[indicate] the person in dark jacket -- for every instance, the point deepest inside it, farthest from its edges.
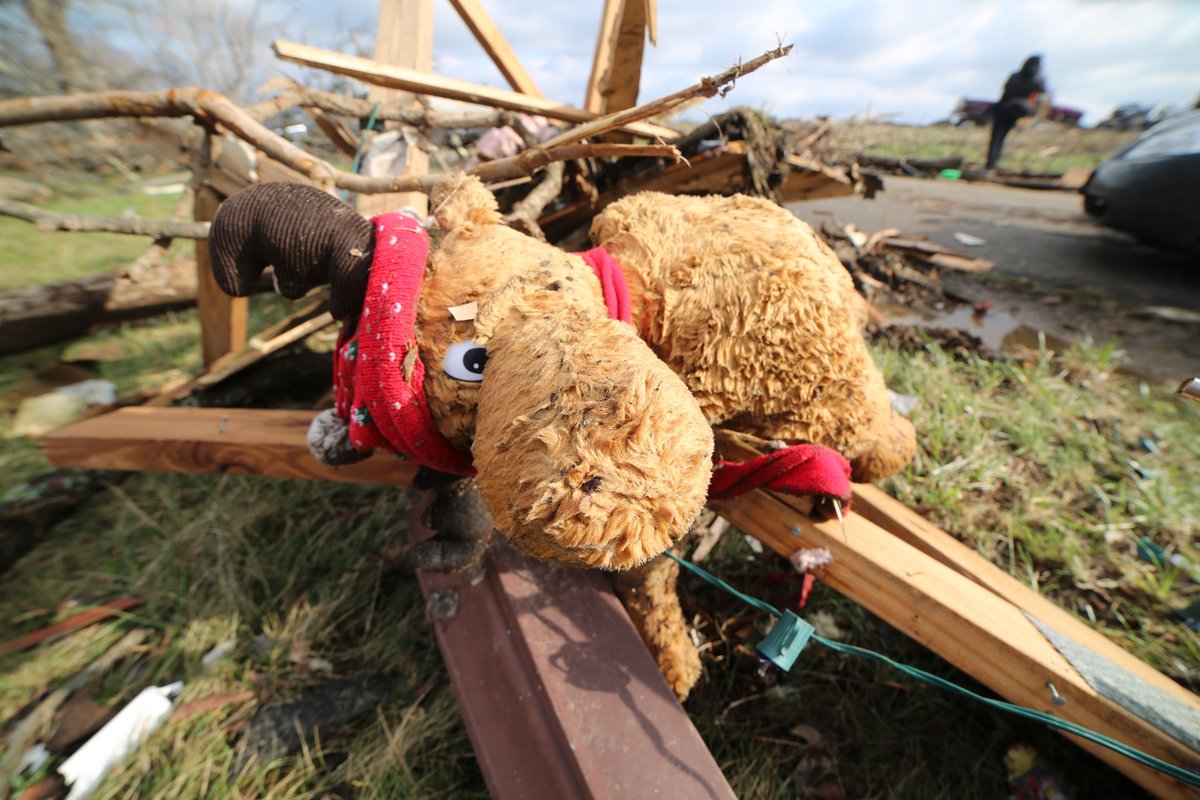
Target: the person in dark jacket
(1024, 92)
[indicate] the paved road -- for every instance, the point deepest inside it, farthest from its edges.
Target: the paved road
(1045, 248)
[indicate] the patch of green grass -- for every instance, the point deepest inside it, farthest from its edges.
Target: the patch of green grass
(34, 257)
(1055, 469)
(1041, 148)
(283, 569)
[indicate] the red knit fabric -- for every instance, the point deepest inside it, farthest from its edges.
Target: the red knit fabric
(378, 376)
(799, 469)
(612, 279)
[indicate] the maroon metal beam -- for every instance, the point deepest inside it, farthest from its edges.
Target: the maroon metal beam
(559, 694)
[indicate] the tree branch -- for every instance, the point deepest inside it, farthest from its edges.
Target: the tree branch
(707, 87)
(53, 221)
(210, 107)
(526, 213)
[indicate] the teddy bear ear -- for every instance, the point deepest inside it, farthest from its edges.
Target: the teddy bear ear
(462, 201)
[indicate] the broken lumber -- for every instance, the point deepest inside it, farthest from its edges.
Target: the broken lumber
(901, 521)
(617, 65)
(223, 318)
(981, 632)
(410, 80)
(403, 39)
(937, 255)
(296, 326)
(222, 440)
(55, 312)
(810, 179)
(496, 46)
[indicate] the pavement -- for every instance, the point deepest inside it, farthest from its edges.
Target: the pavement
(1055, 270)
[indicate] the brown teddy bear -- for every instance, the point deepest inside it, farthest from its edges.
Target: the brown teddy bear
(580, 389)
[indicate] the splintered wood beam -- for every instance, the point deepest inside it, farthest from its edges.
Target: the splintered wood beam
(888, 513)
(404, 39)
(809, 179)
(610, 16)
(617, 66)
(373, 72)
(496, 46)
(223, 319)
(973, 627)
(234, 440)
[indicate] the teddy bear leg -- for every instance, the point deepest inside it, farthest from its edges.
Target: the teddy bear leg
(463, 527)
(892, 452)
(648, 593)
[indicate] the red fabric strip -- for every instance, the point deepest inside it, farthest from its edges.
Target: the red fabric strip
(612, 280)
(378, 377)
(799, 469)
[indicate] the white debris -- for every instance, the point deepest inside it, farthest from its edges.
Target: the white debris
(84, 770)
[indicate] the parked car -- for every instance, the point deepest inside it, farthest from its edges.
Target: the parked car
(1134, 116)
(1151, 187)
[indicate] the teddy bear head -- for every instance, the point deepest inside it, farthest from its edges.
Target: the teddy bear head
(477, 349)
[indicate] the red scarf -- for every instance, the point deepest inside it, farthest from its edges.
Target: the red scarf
(378, 378)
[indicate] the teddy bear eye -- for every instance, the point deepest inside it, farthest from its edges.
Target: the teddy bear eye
(464, 361)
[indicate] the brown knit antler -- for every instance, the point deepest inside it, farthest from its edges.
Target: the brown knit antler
(310, 237)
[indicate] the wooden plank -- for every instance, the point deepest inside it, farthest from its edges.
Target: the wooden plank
(296, 326)
(938, 255)
(972, 627)
(901, 521)
(617, 65)
(496, 46)
(558, 693)
(439, 86)
(809, 179)
(233, 440)
(610, 16)
(222, 318)
(404, 40)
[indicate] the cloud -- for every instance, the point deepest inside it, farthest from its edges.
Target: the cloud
(913, 59)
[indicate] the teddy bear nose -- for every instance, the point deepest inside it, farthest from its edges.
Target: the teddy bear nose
(464, 361)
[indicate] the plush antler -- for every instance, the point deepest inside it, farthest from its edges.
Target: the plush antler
(310, 237)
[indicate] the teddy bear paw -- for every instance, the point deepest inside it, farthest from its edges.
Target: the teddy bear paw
(329, 440)
(680, 665)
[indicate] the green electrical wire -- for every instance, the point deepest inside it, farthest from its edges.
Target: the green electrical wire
(361, 143)
(1178, 773)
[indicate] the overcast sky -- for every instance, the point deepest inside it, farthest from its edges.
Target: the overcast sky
(911, 58)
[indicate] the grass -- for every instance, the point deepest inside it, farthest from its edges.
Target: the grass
(1043, 148)
(32, 257)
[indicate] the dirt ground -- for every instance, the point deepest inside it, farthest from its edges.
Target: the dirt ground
(1055, 271)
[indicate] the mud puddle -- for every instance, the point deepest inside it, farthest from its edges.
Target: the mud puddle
(998, 330)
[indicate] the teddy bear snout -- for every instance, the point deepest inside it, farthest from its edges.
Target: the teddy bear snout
(589, 450)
